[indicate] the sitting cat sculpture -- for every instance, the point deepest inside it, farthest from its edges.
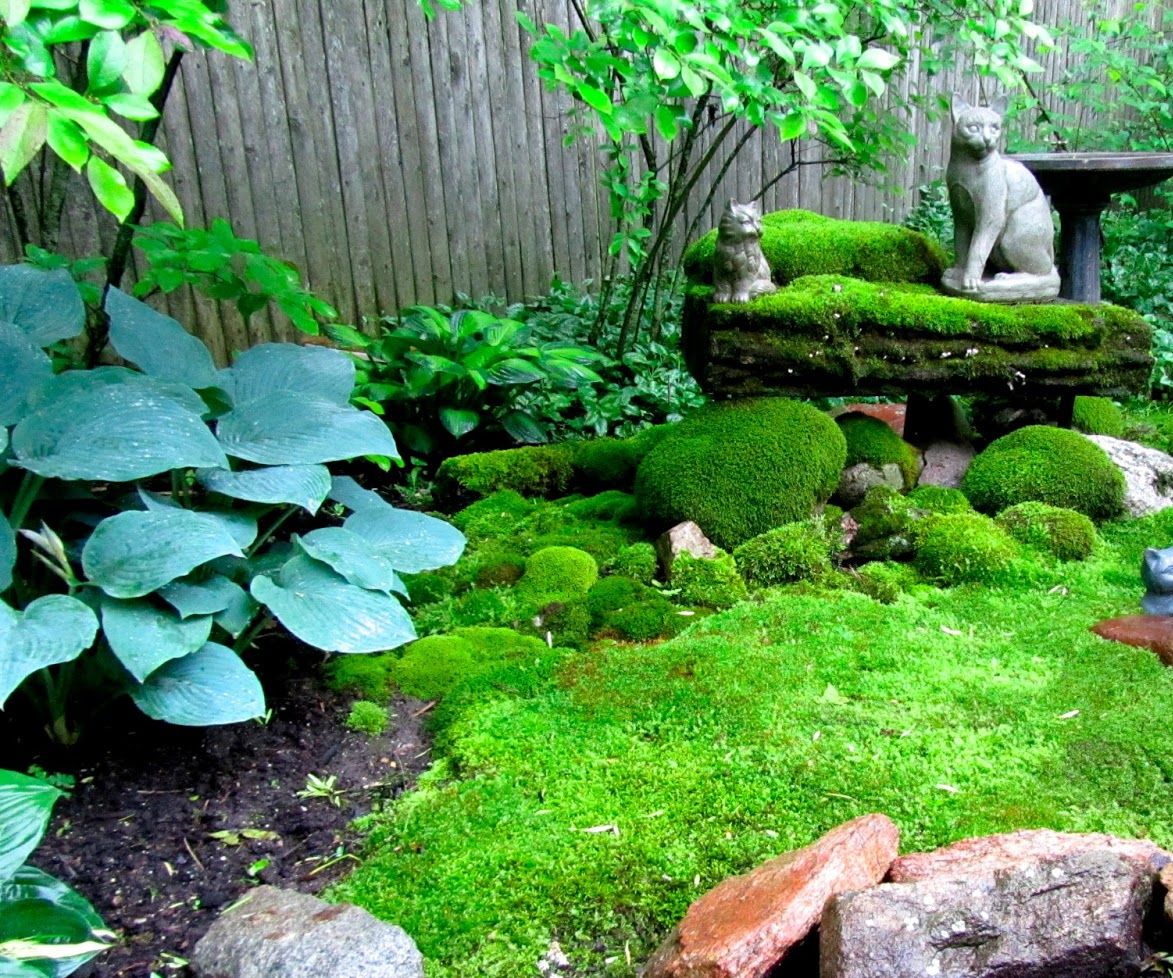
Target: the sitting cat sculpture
(740, 270)
(1002, 221)
(1156, 570)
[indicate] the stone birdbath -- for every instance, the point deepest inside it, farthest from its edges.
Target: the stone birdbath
(1080, 186)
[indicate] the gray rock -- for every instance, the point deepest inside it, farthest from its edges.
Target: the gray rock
(1076, 915)
(684, 537)
(857, 479)
(1148, 474)
(946, 463)
(281, 934)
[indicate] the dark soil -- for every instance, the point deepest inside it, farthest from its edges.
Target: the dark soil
(154, 834)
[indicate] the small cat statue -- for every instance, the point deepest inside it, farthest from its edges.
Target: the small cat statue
(1002, 221)
(740, 270)
(1156, 570)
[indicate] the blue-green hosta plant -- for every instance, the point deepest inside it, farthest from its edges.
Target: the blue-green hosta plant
(46, 929)
(146, 512)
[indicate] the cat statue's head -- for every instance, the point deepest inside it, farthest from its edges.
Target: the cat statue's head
(740, 221)
(977, 129)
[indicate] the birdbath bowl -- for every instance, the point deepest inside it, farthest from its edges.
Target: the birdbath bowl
(1080, 186)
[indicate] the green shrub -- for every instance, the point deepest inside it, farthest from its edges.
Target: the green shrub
(368, 676)
(557, 574)
(741, 468)
(711, 582)
(637, 561)
(959, 547)
(794, 552)
(939, 499)
(367, 717)
(886, 580)
(1098, 416)
(493, 516)
(611, 506)
(1063, 533)
(1046, 465)
(872, 440)
(539, 470)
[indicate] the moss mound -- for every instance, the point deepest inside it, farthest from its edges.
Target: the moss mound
(795, 552)
(1063, 533)
(961, 547)
(540, 470)
(798, 243)
(493, 516)
(611, 594)
(741, 468)
(367, 676)
(939, 499)
(1098, 416)
(557, 574)
(712, 582)
(886, 580)
(871, 440)
(432, 667)
(1046, 465)
(611, 506)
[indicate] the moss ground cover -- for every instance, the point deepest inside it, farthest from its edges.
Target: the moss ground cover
(593, 795)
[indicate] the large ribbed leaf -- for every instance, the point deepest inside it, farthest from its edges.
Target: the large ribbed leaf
(55, 936)
(353, 496)
(302, 485)
(7, 552)
(132, 554)
(410, 541)
(270, 367)
(241, 526)
(158, 344)
(352, 557)
(24, 368)
(323, 609)
(67, 384)
(144, 636)
(52, 629)
(115, 432)
(206, 597)
(25, 806)
(45, 305)
(292, 428)
(208, 687)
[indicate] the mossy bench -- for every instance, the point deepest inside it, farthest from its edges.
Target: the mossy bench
(857, 314)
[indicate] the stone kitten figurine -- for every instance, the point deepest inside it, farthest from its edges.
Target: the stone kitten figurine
(1002, 221)
(1156, 570)
(740, 270)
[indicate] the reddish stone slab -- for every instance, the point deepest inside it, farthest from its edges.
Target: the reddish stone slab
(745, 925)
(1152, 632)
(891, 414)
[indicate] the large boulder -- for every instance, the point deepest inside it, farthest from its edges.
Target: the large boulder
(1148, 474)
(743, 927)
(277, 933)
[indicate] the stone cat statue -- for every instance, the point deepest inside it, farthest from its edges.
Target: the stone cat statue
(1002, 221)
(1156, 570)
(740, 270)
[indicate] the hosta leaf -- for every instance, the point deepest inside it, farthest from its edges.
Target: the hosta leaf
(524, 427)
(45, 305)
(52, 629)
(295, 428)
(116, 432)
(515, 371)
(459, 421)
(301, 485)
(353, 496)
(156, 343)
(208, 687)
(67, 384)
(190, 597)
(317, 370)
(239, 525)
(352, 557)
(321, 608)
(25, 806)
(24, 368)
(7, 552)
(144, 636)
(411, 542)
(239, 613)
(133, 553)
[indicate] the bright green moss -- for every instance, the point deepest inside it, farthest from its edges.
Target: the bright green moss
(612, 506)
(939, 499)
(557, 574)
(610, 594)
(1098, 416)
(654, 617)
(740, 468)
(957, 548)
(368, 676)
(872, 440)
(1047, 465)
(539, 470)
(498, 567)
(637, 561)
(1063, 533)
(794, 552)
(711, 582)
(493, 516)
(886, 580)
(883, 513)
(798, 243)
(431, 666)
(607, 462)
(367, 718)
(566, 624)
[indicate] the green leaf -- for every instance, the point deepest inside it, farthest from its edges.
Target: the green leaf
(459, 421)
(110, 187)
(792, 126)
(30, 883)
(158, 344)
(106, 60)
(13, 12)
(271, 367)
(523, 427)
(666, 122)
(354, 497)
(46, 305)
(596, 98)
(208, 687)
(143, 636)
(54, 628)
(665, 64)
(289, 427)
(239, 613)
(145, 64)
(116, 432)
(12, 97)
(68, 141)
(23, 369)
(411, 542)
(131, 554)
(70, 28)
(107, 14)
(878, 59)
(21, 138)
(201, 597)
(301, 485)
(323, 609)
(352, 557)
(515, 371)
(857, 94)
(25, 806)
(131, 106)
(7, 552)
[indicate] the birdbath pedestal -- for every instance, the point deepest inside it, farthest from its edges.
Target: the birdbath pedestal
(1080, 186)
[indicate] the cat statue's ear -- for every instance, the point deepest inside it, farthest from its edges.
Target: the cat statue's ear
(1000, 104)
(958, 105)
(731, 206)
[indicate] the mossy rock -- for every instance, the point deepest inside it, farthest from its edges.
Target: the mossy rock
(959, 548)
(884, 522)
(740, 468)
(1046, 465)
(711, 582)
(873, 441)
(1063, 533)
(785, 554)
(611, 506)
(1098, 416)
(557, 574)
(538, 470)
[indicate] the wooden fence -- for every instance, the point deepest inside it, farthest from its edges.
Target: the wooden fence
(396, 161)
